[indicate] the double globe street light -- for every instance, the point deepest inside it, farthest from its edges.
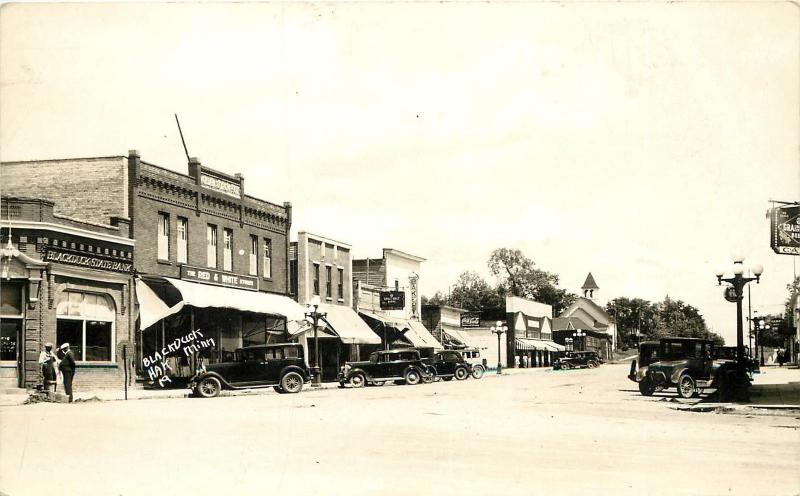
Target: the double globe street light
(315, 315)
(736, 293)
(578, 335)
(499, 328)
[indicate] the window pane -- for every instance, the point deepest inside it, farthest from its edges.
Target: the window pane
(70, 331)
(11, 299)
(340, 288)
(9, 330)
(163, 236)
(253, 256)
(267, 258)
(254, 330)
(183, 239)
(211, 246)
(316, 279)
(98, 341)
(227, 252)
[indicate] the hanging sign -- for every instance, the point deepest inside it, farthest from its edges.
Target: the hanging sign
(730, 294)
(785, 229)
(393, 300)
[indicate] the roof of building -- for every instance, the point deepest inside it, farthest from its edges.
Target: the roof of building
(566, 323)
(589, 283)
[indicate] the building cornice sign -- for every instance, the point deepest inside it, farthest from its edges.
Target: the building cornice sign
(218, 278)
(90, 261)
(392, 300)
(785, 229)
(221, 185)
(471, 320)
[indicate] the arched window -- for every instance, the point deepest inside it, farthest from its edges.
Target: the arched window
(86, 322)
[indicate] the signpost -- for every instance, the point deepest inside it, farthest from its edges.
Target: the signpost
(785, 229)
(392, 300)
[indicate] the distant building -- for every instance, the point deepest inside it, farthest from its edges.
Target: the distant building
(396, 275)
(586, 315)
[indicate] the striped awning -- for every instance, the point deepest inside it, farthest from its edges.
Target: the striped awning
(529, 344)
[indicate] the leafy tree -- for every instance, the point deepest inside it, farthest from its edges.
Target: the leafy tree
(518, 276)
(658, 320)
(472, 292)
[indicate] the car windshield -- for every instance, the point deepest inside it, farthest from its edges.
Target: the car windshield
(373, 358)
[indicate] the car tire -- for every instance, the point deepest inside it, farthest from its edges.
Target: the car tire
(209, 387)
(378, 383)
(292, 382)
(590, 364)
(477, 372)
(430, 378)
(461, 374)
(686, 386)
(412, 377)
(646, 388)
(278, 389)
(357, 380)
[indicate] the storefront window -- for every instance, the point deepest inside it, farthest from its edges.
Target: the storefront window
(9, 334)
(86, 322)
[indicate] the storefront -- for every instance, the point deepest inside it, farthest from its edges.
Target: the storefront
(537, 352)
(184, 324)
(402, 333)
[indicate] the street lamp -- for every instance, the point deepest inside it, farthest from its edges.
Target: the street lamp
(315, 315)
(580, 334)
(568, 342)
(762, 326)
(499, 328)
(738, 282)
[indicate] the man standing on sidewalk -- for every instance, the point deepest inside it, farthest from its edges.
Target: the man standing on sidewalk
(67, 368)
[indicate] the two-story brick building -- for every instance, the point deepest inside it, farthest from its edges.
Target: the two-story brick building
(321, 269)
(206, 257)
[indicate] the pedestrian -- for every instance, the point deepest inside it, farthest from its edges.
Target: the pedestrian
(67, 368)
(47, 361)
(781, 354)
(525, 361)
(516, 361)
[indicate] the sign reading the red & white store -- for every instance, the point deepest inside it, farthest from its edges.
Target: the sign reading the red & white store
(218, 278)
(54, 255)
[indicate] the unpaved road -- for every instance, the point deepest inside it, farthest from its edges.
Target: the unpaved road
(535, 432)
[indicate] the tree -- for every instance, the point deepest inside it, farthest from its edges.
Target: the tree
(518, 276)
(472, 292)
(658, 320)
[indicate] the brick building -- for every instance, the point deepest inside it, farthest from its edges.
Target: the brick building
(322, 268)
(65, 280)
(206, 255)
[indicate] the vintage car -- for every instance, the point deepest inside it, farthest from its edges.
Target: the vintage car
(576, 359)
(281, 366)
(729, 353)
(648, 353)
(403, 366)
(473, 357)
(448, 364)
(686, 364)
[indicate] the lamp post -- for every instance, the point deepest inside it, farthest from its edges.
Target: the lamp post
(738, 282)
(315, 315)
(578, 335)
(762, 326)
(499, 328)
(568, 342)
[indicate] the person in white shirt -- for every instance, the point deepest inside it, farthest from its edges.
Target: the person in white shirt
(49, 364)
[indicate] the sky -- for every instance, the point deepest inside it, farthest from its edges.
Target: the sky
(641, 142)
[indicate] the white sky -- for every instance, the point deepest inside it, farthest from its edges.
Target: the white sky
(640, 142)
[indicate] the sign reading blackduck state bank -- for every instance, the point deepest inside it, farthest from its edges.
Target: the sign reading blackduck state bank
(393, 300)
(218, 278)
(785, 229)
(471, 319)
(91, 261)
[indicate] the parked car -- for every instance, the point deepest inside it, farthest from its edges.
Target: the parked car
(729, 353)
(648, 353)
(686, 364)
(473, 357)
(403, 366)
(448, 364)
(281, 366)
(576, 359)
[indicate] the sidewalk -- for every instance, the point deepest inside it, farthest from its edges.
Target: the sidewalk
(776, 386)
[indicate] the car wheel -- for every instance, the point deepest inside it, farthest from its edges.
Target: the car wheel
(412, 377)
(646, 388)
(447, 378)
(427, 379)
(378, 383)
(686, 386)
(461, 373)
(357, 380)
(591, 365)
(292, 382)
(477, 372)
(209, 387)
(278, 389)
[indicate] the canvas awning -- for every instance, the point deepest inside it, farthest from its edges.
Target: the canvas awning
(152, 308)
(412, 330)
(346, 323)
(458, 334)
(528, 344)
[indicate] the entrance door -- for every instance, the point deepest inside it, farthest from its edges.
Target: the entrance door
(10, 353)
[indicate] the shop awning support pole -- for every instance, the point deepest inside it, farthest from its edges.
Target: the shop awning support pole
(125, 368)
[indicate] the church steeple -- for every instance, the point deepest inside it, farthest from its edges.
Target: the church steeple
(589, 286)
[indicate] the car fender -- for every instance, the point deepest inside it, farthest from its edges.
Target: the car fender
(677, 373)
(357, 370)
(294, 368)
(221, 379)
(417, 368)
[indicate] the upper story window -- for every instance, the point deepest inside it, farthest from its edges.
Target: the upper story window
(211, 246)
(267, 258)
(163, 236)
(316, 279)
(227, 252)
(253, 256)
(328, 281)
(183, 240)
(340, 285)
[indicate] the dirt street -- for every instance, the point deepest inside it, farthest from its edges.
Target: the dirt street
(532, 432)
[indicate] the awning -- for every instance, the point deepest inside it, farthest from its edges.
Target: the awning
(346, 323)
(526, 345)
(412, 330)
(553, 346)
(537, 344)
(458, 334)
(152, 308)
